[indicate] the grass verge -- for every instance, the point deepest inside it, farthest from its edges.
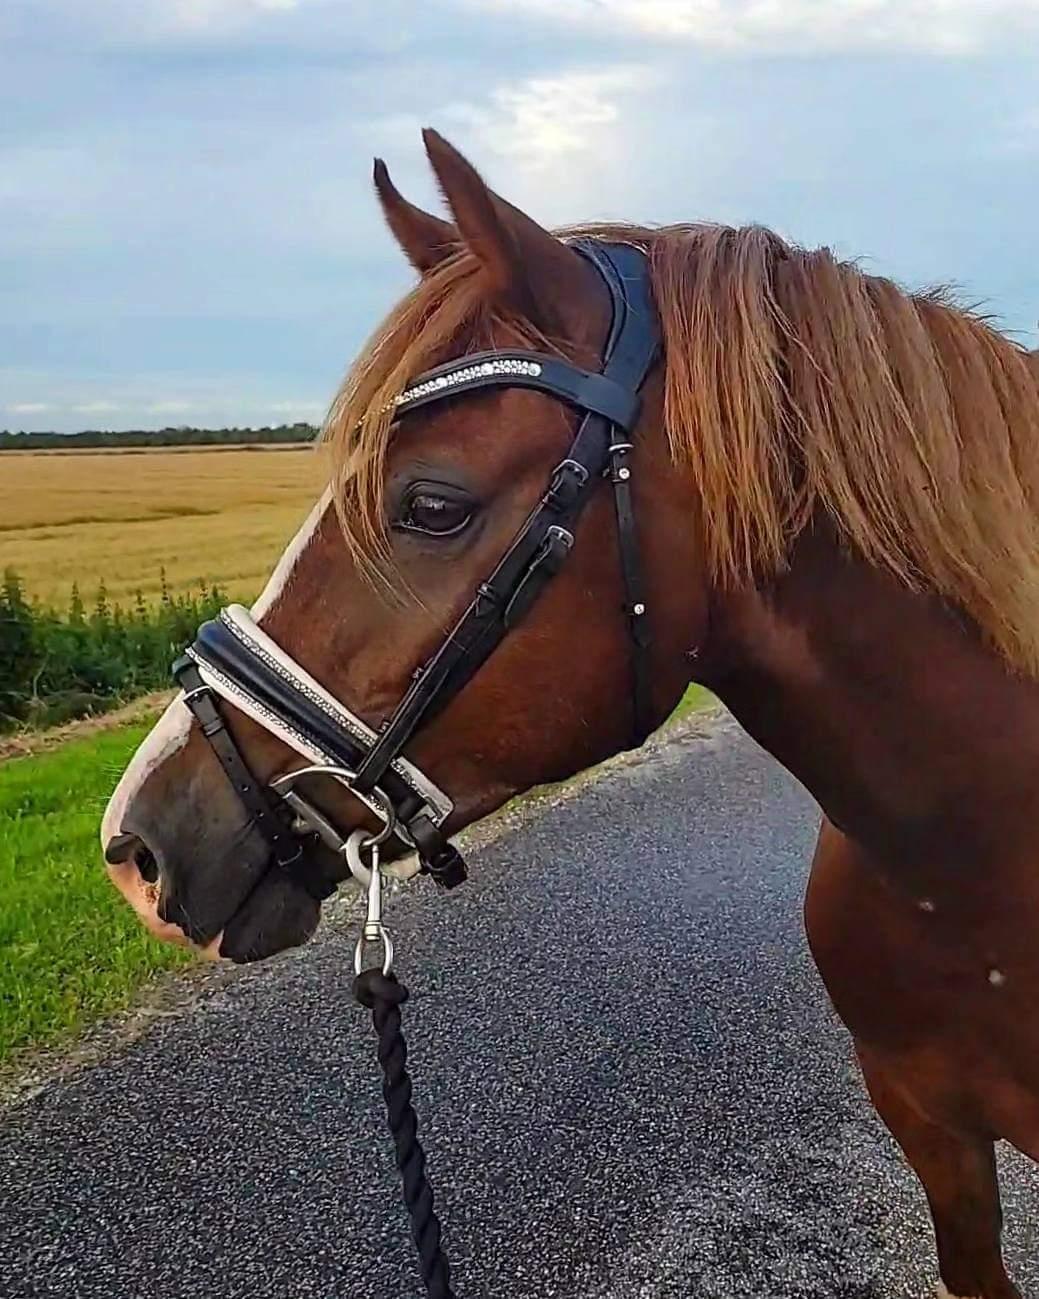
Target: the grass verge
(70, 948)
(71, 951)
(695, 698)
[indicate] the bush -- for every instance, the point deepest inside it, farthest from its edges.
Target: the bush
(57, 665)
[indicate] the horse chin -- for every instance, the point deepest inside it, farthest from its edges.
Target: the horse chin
(278, 914)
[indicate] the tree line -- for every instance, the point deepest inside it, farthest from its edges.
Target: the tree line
(166, 437)
(57, 664)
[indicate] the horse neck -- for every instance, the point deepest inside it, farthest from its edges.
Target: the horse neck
(914, 738)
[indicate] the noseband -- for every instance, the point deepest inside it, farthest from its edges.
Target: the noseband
(233, 660)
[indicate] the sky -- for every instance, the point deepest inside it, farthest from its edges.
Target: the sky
(188, 231)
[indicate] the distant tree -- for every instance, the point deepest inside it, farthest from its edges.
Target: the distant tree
(167, 437)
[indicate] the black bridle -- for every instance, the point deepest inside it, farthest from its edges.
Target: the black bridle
(231, 659)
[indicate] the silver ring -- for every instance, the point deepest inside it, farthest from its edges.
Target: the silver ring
(378, 801)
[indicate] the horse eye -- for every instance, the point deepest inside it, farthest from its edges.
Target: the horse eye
(435, 513)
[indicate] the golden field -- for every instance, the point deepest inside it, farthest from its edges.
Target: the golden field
(219, 514)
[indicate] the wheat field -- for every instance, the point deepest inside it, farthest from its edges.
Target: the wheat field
(216, 514)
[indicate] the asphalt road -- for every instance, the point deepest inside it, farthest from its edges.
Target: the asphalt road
(630, 1082)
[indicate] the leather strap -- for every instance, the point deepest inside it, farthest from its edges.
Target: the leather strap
(633, 348)
(266, 814)
(217, 646)
(635, 605)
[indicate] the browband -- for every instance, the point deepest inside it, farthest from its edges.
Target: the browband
(586, 389)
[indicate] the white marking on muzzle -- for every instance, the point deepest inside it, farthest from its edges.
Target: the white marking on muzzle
(167, 737)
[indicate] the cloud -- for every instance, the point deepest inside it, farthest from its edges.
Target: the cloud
(208, 15)
(68, 398)
(228, 409)
(193, 11)
(145, 20)
(56, 400)
(548, 134)
(189, 230)
(801, 26)
(542, 119)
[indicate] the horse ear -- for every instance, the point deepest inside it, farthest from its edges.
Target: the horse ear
(524, 264)
(425, 239)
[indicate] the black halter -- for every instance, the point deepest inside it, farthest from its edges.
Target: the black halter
(225, 661)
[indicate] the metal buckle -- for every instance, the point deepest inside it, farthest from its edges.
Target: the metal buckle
(568, 477)
(555, 548)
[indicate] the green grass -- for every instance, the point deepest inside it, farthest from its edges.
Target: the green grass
(695, 698)
(71, 950)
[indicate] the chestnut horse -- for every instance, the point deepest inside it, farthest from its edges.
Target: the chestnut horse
(837, 503)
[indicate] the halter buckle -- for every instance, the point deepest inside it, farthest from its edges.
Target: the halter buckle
(547, 562)
(568, 479)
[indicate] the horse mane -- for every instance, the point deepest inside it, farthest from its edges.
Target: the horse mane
(796, 387)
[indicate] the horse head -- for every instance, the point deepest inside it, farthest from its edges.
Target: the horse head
(425, 501)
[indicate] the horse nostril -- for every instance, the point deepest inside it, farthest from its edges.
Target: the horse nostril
(127, 847)
(120, 848)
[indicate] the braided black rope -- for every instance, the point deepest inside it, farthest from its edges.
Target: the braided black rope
(384, 996)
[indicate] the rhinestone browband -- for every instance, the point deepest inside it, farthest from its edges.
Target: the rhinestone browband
(466, 374)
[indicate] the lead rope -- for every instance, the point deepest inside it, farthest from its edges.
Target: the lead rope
(378, 989)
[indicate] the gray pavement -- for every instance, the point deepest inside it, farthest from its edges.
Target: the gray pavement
(630, 1083)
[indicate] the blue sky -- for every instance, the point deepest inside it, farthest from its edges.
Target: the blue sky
(189, 234)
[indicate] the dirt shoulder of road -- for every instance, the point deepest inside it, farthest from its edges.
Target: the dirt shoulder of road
(26, 743)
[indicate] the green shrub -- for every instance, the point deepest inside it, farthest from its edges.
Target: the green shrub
(56, 665)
